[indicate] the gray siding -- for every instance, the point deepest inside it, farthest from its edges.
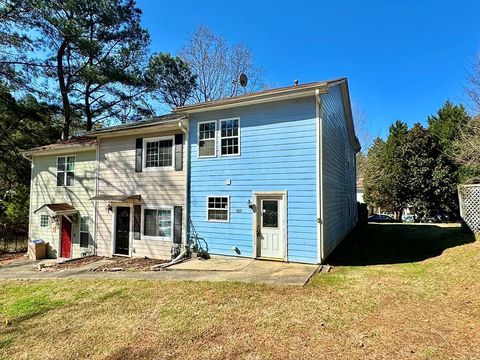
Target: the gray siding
(339, 188)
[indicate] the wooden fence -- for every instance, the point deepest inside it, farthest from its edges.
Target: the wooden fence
(469, 200)
(10, 243)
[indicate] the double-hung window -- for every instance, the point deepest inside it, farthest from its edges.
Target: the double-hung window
(218, 208)
(207, 139)
(229, 137)
(84, 231)
(66, 171)
(158, 152)
(158, 223)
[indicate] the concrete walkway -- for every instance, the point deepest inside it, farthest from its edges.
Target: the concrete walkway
(215, 269)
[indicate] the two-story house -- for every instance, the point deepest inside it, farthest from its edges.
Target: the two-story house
(264, 175)
(272, 174)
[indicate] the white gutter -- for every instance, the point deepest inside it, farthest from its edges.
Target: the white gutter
(319, 177)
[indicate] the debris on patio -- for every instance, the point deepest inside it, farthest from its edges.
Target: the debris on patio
(130, 264)
(9, 258)
(71, 264)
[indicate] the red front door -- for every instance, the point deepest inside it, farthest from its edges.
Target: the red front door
(66, 238)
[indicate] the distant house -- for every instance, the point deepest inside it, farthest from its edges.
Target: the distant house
(264, 175)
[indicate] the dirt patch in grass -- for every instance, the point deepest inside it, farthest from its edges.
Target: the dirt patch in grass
(11, 258)
(72, 264)
(130, 264)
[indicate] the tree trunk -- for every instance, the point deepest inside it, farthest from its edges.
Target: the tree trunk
(88, 110)
(63, 91)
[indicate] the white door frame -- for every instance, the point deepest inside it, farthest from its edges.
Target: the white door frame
(114, 227)
(284, 220)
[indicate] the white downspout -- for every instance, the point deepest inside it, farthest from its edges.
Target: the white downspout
(30, 159)
(95, 209)
(319, 183)
(187, 172)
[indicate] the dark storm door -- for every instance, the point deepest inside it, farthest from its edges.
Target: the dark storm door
(122, 231)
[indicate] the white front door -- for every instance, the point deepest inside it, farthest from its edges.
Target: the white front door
(270, 224)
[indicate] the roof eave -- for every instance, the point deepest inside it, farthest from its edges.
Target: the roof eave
(132, 128)
(60, 149)
(253, 99)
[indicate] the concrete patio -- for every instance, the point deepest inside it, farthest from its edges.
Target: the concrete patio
(218, 268)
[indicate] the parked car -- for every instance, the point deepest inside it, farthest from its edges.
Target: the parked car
(437, 216)
(410, 218)
(380, 218)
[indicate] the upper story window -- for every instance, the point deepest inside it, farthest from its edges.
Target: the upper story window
(229, 137)
(158, 152)
(66, 171)
(206, 139)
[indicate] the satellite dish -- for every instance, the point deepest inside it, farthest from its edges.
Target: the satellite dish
(243, 80)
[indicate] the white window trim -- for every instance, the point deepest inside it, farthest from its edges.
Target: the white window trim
(40, 221)
(83, 231)
(142, 224)
(214, 140)
(65, 172)
(228, 137)
(144, 154)
(228, 208)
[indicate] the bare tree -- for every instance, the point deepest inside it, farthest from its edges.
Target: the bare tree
(473, 86)
(466, 148)
(362, 130)
(218, 65)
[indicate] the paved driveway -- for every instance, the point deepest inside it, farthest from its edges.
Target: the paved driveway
(215, 269)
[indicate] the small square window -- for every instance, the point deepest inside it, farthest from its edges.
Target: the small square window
(218, 208)
(44, 220)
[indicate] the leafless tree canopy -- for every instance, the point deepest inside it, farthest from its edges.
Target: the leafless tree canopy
(467, 147)
(473, 87)
(218, 66)
(362, 130)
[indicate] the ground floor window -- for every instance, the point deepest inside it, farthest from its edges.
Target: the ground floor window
(84, 231)
(218, 208)
(157, 223)
(44, 220)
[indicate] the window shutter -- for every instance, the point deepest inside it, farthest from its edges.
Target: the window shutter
(177, 224)
(138, 155)
(137, 214)
(179, 152)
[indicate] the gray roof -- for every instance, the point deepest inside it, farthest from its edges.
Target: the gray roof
(152, 121)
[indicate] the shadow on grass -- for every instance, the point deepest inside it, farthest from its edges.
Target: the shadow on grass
(376, 244)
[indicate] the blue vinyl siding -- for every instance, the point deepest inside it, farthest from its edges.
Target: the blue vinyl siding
(339, 184)
(277, 153)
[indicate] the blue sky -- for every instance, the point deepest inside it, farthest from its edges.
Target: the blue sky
(403, 59)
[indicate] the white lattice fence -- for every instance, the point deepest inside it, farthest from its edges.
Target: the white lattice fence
(469, 198)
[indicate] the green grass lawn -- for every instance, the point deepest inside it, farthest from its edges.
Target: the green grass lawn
(396, 292)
